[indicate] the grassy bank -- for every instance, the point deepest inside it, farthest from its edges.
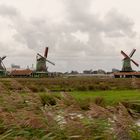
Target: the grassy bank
(67, 84)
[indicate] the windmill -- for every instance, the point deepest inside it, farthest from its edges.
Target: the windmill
(41, 61)
(127, 61)
(2, 66)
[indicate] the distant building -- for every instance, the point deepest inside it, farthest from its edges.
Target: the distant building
(74, 72)
(13, 66)
(100, 71)
(115, 70)
(95, 72)
(87, 71)
(21, 73)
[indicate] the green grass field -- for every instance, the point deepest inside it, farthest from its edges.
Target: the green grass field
(111, 96)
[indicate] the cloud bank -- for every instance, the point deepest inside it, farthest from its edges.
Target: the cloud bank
(80, 40)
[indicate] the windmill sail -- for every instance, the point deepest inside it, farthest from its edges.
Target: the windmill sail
(131, 54)
(135, 62)
(46, 52)
(2, 66)
(124, 54)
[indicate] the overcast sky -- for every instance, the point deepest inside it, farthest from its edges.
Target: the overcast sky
(81, 34)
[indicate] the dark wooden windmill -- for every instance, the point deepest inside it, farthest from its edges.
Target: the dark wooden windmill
(127, 61)
(41, 61)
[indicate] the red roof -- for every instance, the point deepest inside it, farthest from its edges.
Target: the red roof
(127, 73)
(21, 72)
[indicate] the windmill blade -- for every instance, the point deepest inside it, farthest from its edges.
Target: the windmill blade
(46, 52)
(40, 55)
(3, 57)
(124, 54)
(46, 59)
(50, 62)
(131, 54)
(135, 63)
(3, 65)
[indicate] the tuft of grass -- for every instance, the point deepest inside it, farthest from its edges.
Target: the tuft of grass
(99, 101)
(84, 104)
(47, 99)
(27, 133)
(33, 88)
(135, 132)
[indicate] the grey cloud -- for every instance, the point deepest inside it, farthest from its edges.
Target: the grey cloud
(8, 11)
(116, 24)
